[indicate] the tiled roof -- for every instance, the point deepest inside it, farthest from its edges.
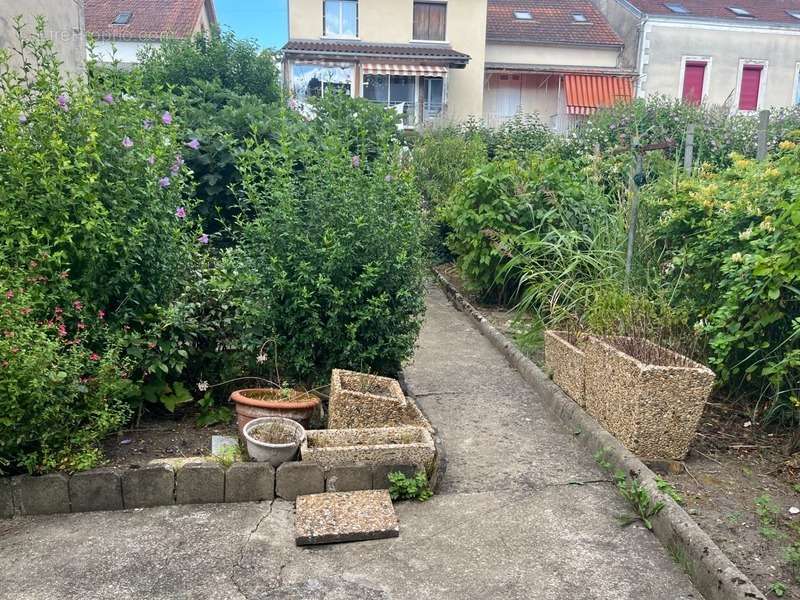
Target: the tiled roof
(149, 19)
(765, 11)
(552, 23)
(436, 53)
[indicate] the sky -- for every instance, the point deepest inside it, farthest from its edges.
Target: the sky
(262, 20)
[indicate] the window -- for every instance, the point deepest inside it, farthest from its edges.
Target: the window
(677, 8)
(341, 18)
(694, 76)
(740, 12)
(430, 20)
(523, 15)
(797, 84)
(396, 91)
(579, 18)
(320, 80)
(750, 87)
(122, 18)
(794, 13)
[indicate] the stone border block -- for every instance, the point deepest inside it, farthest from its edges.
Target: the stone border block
(711, 572)
(98, 489)
(41, 495)
(249, 482)
(293, 479)
(348, 479)
(380, 474)
(152, 485)
(6, 499)
(200, 483)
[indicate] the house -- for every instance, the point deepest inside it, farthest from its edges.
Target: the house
(435, 59)
(743, 54)
(64, 25)
(557, 58)
(121, 28)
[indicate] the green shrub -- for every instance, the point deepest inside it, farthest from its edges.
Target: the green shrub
(516, 138)
(58, 398)
(328, 272)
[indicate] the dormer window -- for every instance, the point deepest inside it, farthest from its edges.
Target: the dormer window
(341, 18)
(741, 12)
(122, 18)
(579, 18)
(679, 9)
(794, 13)
(523, 15)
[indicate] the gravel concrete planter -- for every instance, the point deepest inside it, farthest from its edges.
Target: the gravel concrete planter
(378, 446)
(269, 402)
(649, 397)
(359, 400)
(564, 359)
(274, 453)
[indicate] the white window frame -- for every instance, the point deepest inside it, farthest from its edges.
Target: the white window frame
(350, 66)
(762, 85)
(796, 88)
(340, 36)
(706, 75)
(446, 23)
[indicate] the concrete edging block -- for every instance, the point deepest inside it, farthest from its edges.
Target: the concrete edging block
(151, 485)
(712, 572)
(200, 483)
(293, 479)
(6, 499)
(41, 495)
(249, 482)
(380, 474)
(348, 478)
(98, 489)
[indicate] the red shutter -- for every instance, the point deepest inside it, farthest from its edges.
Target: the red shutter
(751, 81)
(693, 77)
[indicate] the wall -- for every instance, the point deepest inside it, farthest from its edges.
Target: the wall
(551, 55)
(627, 25)
(392, 23)
(65, 26)
(126, 51)
(669, 42)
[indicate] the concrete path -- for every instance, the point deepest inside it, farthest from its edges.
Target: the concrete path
(523, 513)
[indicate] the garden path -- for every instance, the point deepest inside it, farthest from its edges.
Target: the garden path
(523, 513)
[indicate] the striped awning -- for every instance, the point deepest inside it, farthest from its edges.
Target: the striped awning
(587, 93)
(400, 69)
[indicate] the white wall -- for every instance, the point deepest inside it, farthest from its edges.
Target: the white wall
(126, 52)
(528, 54)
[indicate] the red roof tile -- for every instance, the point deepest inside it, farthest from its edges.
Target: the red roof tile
(765, 11)
(150, 19)
(552, 23)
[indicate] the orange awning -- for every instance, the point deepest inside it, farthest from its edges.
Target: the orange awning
(587, 93)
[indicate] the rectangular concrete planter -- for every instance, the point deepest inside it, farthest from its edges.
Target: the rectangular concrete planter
(652, 403)
(359, 400)
(378, 446)
(564, 359)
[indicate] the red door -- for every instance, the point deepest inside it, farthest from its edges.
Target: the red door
(693, 76)
(751, 82)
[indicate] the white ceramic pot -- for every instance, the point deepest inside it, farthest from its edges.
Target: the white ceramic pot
(275, 454)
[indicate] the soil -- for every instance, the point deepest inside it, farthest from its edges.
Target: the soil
(273, 433)
(278, 396)
(366, 385)
(733, 464)
(158, 437)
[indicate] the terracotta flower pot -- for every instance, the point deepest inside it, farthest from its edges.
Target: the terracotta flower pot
(269, 402)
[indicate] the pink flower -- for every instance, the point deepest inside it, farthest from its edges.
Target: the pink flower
(63, 102)
(9, 294)
(94, 357)
(356, 161)
(203, 239)
(81, 326)
(166, 118)
(147, 124)
(127, 142)
(62, 331)
(101, 314)
(194, 144)
(108, 99)
(77, 305)
(176, 166)
(180, 212)
(58, 310)
(64, 275)
(164, 182)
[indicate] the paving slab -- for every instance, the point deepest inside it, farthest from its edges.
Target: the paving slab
(524, 513)
(336, 517)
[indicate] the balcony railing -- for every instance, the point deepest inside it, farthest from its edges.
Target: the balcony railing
(410, 112)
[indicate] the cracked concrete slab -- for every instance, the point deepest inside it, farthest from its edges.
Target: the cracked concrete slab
(524, 513)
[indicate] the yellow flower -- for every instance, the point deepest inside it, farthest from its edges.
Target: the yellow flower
(787, 145)
(772, 172)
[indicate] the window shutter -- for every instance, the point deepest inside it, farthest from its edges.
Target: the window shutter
(430, 21)
(751, 81)
(421, 20)
(693, 77)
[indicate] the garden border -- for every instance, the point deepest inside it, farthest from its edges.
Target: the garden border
(709, 569)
